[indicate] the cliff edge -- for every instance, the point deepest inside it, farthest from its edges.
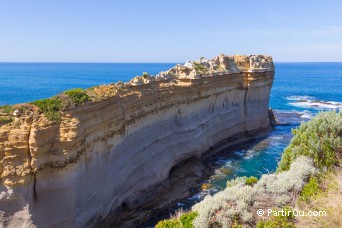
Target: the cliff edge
(82, 157)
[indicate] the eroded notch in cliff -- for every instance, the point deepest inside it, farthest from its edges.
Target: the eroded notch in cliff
(29, 156)
(245, 87)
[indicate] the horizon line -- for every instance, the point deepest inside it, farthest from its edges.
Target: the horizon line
(155, 62)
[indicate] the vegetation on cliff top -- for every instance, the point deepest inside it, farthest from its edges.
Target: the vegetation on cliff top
(200, 68)
(318, 139)
(51, 107)
(181, 220)
(7, 109)
(78, 96)
(251, 180)
(299, 179)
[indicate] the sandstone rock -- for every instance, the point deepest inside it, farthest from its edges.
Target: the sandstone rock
(16, 113)
(108, 155)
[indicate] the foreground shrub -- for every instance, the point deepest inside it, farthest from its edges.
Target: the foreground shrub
(184, 221)
(51, 107)
(188, 218)
(169, 223)
(238, 198)
(78, 96)
(318, 139)
(283, 221)
(327, 198)
(251, 180)
(237, 181)
(310, 190)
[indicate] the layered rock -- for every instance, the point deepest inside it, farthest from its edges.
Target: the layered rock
(105, 154)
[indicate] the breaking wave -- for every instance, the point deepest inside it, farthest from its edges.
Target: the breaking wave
(311, 102)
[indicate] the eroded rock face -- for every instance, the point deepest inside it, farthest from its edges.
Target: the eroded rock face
(105, 154)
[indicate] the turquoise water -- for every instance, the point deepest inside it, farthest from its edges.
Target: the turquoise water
(299, 91)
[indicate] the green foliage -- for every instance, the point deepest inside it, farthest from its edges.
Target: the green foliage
(169, 223)
(310, 190)
(6, 109)
(184, 221)
(50, 107)
(200, 68)
(318, 139)
(78, 96)
(187, 219)
(21, 108)
(5, 119)
(251, 180)
(285, 220)
(145, 75)
(235, 223)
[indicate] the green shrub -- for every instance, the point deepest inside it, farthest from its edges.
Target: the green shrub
(310, 190)
(235, 222)
(318, 139)
(281, 221)
(51, 107)
(169, 223)
(184, 221)
(145, 75)
(187, 219)
(78, 96)
(200, 68)
(5, 119)
(251, 180)
(6, 109)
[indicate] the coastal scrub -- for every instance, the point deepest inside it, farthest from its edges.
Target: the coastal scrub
(78, 96)
(51, 107)
(318, 139)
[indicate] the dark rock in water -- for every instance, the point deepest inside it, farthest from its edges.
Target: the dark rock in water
(273, 119)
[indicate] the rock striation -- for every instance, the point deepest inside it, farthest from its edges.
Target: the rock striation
(106, 154)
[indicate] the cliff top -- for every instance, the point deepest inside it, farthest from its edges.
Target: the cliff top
(191, 70)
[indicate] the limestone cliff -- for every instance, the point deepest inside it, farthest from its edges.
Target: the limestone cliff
(103, 155)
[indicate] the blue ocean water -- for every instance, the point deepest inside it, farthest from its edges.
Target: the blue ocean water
(299, 91)
(25, 82)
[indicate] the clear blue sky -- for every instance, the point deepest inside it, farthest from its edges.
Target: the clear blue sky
(168, 31)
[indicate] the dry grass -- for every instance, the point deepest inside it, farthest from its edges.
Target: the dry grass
(330, 201)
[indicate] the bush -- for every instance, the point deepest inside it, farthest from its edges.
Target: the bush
(6, 109)
(310, 190)
(237, 199)
(5, 119)
(200, 68)
(145, 75)
(318, 139)
(51, 107)
(236, 181)
(184, 221)
(169, 223)
(282, 184)
(78, 96)
(251, 180)
(283, 221)
(187, 219)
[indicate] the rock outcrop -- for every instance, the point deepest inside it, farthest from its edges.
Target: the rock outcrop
(103, 156)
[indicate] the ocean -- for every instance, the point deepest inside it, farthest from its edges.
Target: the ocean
(300, 90)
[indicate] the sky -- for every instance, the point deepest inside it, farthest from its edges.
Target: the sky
(168, 31)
